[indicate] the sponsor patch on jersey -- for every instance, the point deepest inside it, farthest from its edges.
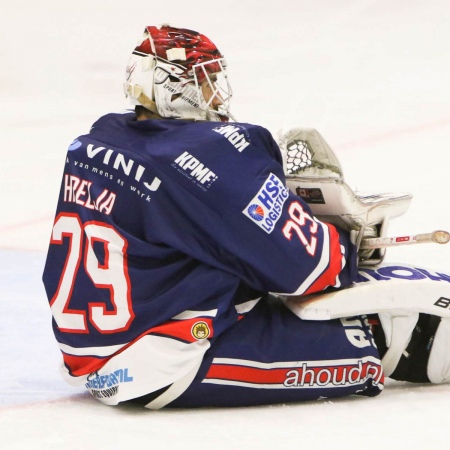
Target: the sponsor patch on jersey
(266, 206)
(74, 145)
(107, 386)
(194, 170)
(256, 212)
(325, 374)
(237, 135)
(200, 330)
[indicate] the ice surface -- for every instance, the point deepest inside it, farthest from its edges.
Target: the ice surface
(372, 76)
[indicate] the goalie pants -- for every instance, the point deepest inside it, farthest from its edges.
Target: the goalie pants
(272, 356)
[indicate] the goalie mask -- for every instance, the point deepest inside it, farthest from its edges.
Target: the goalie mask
(178, 73)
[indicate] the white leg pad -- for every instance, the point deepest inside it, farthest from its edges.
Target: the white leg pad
(398, 331)
(438, 369)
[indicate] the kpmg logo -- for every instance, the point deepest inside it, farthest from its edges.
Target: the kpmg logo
(265, 208)
(236, 135)
(194, 170)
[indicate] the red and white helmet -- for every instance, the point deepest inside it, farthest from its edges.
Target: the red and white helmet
(178, 73)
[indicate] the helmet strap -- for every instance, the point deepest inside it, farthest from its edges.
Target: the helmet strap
(147, 103)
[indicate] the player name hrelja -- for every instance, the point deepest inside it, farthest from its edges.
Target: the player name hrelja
(77, 190)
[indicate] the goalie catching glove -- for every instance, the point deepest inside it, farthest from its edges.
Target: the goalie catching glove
(314, 173)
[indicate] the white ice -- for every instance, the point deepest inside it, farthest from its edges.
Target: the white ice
(373, 76)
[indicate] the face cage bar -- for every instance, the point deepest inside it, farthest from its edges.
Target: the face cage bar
(217, 88)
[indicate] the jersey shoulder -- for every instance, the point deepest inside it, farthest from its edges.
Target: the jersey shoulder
(111, 123)
(236, 138)
(239, 134)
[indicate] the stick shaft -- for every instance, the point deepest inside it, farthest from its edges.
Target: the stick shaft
(438, 237)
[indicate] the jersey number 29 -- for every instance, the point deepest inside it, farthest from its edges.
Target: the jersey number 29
(111, 273)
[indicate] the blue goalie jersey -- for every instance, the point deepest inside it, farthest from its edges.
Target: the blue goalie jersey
(172, 230)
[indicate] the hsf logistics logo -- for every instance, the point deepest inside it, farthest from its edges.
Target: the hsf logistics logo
(265, 208)
(256, 212)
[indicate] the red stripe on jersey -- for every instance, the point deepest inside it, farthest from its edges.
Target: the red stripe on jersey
(189, 330)
(185, 329)
(82, 365)
(328, 277)
(246, 374)
(304, 375)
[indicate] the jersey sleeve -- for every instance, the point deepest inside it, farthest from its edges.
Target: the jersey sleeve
(244, 219)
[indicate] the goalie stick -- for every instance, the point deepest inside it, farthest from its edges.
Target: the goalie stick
(438, 237)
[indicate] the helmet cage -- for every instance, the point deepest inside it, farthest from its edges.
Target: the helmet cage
(213, 74)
